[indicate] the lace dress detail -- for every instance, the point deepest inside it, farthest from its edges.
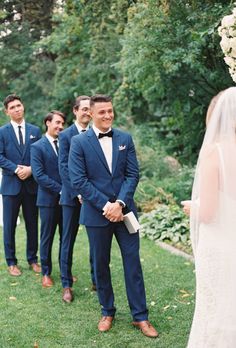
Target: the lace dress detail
(214, 321)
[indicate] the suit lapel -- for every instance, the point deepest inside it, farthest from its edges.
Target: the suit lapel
(27, 137)
(74, 130)
(115, 149)
(97, 147)
(14, 138)
(49, 148)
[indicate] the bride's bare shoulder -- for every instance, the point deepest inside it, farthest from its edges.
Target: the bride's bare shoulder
(210, 152)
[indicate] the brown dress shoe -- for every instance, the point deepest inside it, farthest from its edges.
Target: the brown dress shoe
(146, 327)
(67, 295)
(14, 270)
(93, 287)
(105, 324)
(35, 267)
(74, 279)
(47, 281)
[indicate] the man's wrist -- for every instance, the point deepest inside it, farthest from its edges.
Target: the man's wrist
(121, 203)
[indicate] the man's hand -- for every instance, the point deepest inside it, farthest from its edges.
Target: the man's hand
(24, 172)
(113, 212)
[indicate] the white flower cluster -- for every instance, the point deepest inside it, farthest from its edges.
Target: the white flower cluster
(227, 31)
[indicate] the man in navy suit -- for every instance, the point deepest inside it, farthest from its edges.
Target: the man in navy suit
(104, 169)
(69, 200)
(44, 162)
(18, 187)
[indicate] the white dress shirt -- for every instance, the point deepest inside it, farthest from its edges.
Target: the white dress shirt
(16, 130)
(51, 140)
(79, 128)
(106, 144)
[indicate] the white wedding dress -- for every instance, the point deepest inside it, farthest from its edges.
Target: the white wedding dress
(213, 232)
(214, 323)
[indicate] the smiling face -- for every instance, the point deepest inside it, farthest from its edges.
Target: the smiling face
(82, 113)
(55, 126)
(102, 115)
(15, 110)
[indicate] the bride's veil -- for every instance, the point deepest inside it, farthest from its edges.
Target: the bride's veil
(213, 229)
(215, 176)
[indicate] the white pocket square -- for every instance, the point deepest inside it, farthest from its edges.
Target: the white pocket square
(122, 147)
(32, 136)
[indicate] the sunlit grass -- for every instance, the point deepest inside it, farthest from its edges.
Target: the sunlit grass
(32, 314)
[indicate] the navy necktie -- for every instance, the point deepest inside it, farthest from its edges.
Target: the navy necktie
(20, 138)
(56, 145)
(108, 134)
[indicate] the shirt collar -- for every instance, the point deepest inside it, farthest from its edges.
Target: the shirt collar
(79, 128)
(97, 131)
(50, 138)
(15, 125)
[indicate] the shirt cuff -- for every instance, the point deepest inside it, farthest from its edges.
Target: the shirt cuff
(121, 203)
(106, 205)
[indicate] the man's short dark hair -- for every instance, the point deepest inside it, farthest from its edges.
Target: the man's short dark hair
(9, 99)
(100, 98)
(79, 99)
(50, 115)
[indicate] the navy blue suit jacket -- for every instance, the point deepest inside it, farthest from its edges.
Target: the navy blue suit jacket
(91, 176)
(44, 163)
(68, 194)
(11, 156)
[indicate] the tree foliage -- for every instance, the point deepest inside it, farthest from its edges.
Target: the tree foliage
(86, 42)
(22, 24)
(171, 56)
(159, 59)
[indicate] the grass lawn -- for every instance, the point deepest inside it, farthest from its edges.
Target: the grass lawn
(32, 314)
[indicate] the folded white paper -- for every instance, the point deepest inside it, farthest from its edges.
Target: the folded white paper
(131, 222)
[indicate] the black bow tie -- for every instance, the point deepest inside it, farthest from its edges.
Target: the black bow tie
(108, 134)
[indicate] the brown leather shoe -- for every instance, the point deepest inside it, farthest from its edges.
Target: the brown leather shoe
(105, 324)
(93, 287)
(47, 281)
(74, 279)
(146, 327)
(14, 270)
(67, 295)
(35, 267)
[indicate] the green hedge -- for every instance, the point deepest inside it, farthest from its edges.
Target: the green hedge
(166, 223)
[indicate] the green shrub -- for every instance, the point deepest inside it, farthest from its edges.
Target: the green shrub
(162, 178)
(149, 194)
(179, 184)
(166, 223)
